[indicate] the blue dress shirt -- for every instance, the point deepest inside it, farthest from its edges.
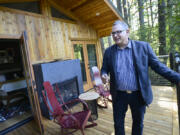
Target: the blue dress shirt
(126, 74)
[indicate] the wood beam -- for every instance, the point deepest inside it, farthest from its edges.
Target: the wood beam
(92, 13)
(101, 20)
(105, 25)
(105, 32)
(62, 20)
(114, 9)
(83, 39)
(106, 29)
(93, 16)
(16, 1)
(10, 36)
(63, 10)
(77, 4)
(45, 9)
(88, 3)
(92, 6)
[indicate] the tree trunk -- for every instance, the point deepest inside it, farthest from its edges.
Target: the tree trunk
(129, 13)
(119, 6)
(141, 19)
(148, 20)
(125, 11)
(162, 27)
(109, 41)
(102, 46)
(152, 19)
(171, 37)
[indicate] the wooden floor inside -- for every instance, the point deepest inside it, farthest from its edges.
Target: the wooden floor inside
(14, 120)
(161, 118)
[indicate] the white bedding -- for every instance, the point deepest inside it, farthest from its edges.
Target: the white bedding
(12, 86)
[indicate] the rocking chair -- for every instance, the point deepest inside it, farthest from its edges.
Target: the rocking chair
(101, 88)
(66, 119)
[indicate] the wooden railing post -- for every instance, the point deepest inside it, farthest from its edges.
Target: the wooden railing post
(177, 68)
(178, 103)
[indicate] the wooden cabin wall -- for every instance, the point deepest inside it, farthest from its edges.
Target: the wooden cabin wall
(48, 39)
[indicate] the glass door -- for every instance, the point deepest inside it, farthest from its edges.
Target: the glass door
(92, 59)
(79, 54)
(85, 51)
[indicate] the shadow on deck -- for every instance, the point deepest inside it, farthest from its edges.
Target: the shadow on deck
(161, 118)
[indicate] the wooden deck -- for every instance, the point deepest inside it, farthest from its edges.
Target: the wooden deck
(160, 119)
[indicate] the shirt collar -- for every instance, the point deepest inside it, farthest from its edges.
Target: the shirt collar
(128, 46)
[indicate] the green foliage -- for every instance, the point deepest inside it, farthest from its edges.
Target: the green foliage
(151, 28)
(106, 44)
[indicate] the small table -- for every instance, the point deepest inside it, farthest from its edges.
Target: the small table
(90, 99)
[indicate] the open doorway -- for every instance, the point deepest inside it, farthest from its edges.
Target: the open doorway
(14, 99)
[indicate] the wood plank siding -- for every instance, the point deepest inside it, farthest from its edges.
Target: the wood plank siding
(160, 119)
(95, 13)
(48, 39)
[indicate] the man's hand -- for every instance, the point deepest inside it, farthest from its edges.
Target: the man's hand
(105, 78)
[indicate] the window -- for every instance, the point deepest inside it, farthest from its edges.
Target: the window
(26, 6)
(58, 14)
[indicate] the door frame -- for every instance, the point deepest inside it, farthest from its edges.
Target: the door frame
(84, 43)
(33, 97)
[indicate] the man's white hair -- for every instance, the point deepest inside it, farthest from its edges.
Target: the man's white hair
(123, 24)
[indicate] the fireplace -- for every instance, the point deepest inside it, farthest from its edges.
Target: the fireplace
(66, 73)
(68, 89)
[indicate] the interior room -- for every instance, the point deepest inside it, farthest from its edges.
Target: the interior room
(14, 101)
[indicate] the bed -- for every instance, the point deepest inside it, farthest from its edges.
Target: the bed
(13, 91)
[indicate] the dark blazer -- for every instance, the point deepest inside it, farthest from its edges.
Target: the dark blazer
(144, 57)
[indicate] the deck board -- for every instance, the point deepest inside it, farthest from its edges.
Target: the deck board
(161, 118)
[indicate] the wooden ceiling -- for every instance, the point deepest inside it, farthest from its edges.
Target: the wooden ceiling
(100, 14)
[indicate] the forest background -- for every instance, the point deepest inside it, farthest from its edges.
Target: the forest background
(154, 21)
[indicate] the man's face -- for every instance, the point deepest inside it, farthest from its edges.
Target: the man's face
(120, 35)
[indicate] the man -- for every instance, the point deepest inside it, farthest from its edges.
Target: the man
(127, 62)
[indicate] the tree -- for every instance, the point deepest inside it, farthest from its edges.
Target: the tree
(152, 19)
(141, 18)
(102, 45)
(162, 27)
(129, 13)
(119, 7)
(170, 23)
(109, 40)
(125, 11)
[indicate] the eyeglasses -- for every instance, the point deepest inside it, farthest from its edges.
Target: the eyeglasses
(117, 32)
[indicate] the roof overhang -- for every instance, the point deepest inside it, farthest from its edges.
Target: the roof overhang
(99, 14)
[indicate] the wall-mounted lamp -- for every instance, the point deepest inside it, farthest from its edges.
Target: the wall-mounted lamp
(97, 14)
